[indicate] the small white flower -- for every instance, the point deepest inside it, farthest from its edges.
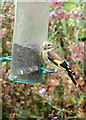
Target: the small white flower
(42, 91)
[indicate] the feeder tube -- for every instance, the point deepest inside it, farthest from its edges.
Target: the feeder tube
(30, 32)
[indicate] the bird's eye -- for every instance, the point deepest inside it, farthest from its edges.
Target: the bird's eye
(49, 44)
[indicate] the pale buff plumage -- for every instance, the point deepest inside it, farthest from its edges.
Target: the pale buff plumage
(54, 59)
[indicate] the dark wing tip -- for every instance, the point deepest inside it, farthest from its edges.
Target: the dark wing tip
(73, 80)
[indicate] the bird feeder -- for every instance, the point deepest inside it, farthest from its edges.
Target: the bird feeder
(30, 31)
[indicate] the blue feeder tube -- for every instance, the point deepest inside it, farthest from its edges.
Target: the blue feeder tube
(30, 32)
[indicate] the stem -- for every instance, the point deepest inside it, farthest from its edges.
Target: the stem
(72, 117)
(54, 107)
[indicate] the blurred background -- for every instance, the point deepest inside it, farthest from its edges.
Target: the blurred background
(54, 99)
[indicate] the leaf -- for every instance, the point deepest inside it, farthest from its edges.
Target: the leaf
(68, 5)
(33, 116)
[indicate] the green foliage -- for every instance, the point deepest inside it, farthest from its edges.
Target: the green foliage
(61, 99)
(68, 5)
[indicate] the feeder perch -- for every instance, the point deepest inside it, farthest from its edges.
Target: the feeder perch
(30, 32)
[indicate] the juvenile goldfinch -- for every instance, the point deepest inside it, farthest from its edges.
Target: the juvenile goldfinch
(52, 57)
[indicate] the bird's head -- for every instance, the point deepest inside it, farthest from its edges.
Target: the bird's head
(48, 45)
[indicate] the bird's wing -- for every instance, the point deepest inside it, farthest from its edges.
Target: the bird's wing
(54, 54)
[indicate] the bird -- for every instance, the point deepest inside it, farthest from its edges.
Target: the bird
(53, 57)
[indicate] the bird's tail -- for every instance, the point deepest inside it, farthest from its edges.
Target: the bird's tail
(73, 80)
(72, 72)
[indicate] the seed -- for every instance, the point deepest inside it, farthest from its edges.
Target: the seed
(25, 62)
